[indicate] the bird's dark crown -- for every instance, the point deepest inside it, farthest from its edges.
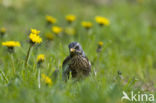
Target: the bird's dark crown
(77, 47)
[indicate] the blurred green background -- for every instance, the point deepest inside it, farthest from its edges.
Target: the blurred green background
(129, 47)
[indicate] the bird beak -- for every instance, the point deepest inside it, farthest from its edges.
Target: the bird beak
(72, 50)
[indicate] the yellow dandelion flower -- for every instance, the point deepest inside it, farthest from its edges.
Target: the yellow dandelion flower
(70, 31)
(47, 80)
(35, 38)
(50, 19)
(102, 20)
(34, 31)
(49, 36)
(11, 44)
(56, 29)
(70, 18)
(3, 30)
(40, 58)
(100, 43)
(86, 24)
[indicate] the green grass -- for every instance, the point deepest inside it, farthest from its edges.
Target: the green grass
(129, 47)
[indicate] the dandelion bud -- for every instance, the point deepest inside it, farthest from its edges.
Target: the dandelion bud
(70, 31)
(99, 48)
(40, 58)
(2, 32)
(49, 36)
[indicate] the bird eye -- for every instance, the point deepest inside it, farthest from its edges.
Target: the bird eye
(77, 47)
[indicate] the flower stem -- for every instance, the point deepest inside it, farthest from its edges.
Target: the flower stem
(28, 55)
(13, 65)
(39, 82)
(5, 78)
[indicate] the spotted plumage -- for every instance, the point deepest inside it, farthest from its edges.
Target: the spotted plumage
(76, 63)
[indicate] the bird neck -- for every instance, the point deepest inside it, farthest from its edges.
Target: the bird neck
(73, 55)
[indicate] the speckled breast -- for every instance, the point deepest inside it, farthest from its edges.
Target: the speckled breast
(78, 66)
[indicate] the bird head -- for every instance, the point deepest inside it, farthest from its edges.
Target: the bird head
(76, 49)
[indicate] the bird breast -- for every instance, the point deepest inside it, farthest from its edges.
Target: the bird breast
(79, 66)
(78, 62)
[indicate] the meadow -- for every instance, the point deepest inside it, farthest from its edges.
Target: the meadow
(126, 60)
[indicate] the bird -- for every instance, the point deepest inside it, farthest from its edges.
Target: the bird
(76, 64)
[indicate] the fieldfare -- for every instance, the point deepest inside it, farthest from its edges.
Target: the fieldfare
(76, 64)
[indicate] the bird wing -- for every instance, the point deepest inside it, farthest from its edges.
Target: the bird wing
(88, 66)
(88, 63)
(65, 68)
